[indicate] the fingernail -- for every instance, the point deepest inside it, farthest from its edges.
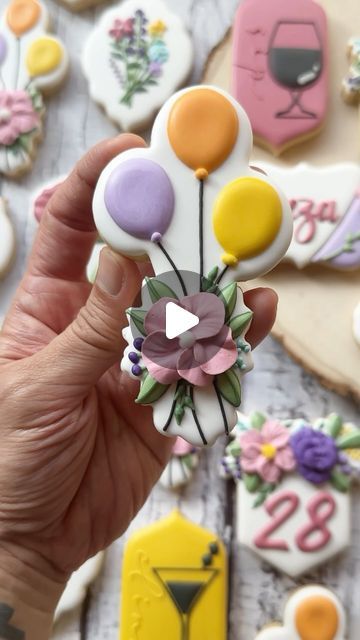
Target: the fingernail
(110, 275)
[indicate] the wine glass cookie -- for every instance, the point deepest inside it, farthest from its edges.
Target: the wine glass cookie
(135, 58)
(280, 69)
(312, 613)
(174, 577)
(293, 488)
(205, 219)
(32, 63)
(7, 239)
(351, 83)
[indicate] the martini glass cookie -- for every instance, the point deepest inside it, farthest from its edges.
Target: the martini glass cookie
(135, 58)
(7, 239)
(312, 613)
(293, 488)
(206, 219)
(280, 69)
(32, 63)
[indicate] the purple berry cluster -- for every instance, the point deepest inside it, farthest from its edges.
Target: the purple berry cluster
(135, 357)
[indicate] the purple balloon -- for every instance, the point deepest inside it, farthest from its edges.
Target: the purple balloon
(3, 48)
(140, 198)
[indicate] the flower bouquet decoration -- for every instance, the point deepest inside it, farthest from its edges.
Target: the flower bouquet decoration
(31, 62)
(191, 203)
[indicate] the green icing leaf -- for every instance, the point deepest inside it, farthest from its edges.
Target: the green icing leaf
(234, 449)
(349, 440)
(158, 290)
(257, 420)
(213, 274)
(229, 386)
(333, 425)
(264, 492)
(151, 390)
(240, 323)
(252, 481)
(340, 481)
(138, 317)
(229, 297)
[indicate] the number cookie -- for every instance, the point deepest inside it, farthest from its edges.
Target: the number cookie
(312, 613)
(293, 488)
(31, 63)
(206, 220)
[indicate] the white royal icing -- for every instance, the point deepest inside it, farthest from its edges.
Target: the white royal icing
(288, 631)
(7, 239)
(105, 73)
(78, 584)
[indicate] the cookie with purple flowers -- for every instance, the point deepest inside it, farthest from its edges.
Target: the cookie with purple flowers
(135, 58)
(293, 484)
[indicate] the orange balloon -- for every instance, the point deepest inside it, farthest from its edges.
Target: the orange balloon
(22, 15)
(317, 619)
(203, 127)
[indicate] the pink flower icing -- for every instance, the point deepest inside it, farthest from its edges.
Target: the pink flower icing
(17, 116)
(196, 356)
(182, 448)
(267, 452)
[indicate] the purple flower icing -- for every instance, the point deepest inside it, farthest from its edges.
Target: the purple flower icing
(349, 226)
(140, 198)
(315, 453)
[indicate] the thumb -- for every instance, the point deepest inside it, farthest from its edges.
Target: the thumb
(93, 342)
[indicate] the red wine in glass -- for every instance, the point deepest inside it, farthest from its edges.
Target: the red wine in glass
(296, 62)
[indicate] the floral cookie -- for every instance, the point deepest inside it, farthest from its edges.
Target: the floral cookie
(7, 239)
(174, 577)
(351, 83)
(135, 58)
(31, 63)
(294, 480)
(312, 613)
(206, 220)
(180, 469)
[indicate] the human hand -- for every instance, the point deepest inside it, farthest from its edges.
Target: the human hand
(78, 457)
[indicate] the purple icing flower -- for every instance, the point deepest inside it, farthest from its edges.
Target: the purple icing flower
(316, 454)
(155, 69)
(197, 355)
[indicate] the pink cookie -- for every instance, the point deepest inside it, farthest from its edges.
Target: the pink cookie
(280, 69)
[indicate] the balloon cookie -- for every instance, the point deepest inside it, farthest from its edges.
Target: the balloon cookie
(135, 58)
(294, 479)
(7, 239)
(31, 63)
(174, 577)
(38, 205)
(280, 69)
(192, 204)
(180, 469)
(351, 83)
(312, 613)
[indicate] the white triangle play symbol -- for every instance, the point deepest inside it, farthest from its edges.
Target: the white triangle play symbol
(178, 320)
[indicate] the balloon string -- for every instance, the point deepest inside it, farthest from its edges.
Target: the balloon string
(178, 274)
(196, 419)
(201, 231)
(17, 66)
(221, 275)
(222, 409)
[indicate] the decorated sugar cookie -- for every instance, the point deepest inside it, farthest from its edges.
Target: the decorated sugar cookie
(280, 69)
(356, 323)
(205, 219)
(7, 239)
(351, 83)
(294, 479)
(325, 203)
(312, 613)
(174, 578)
(180, 469)
(32, 62)
(38, 204)
(78, 584)
(135, 58)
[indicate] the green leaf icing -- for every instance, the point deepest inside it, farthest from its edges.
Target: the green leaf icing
(349, 440)
(252, 481)
(257, 420)
(138, 317)
(158, 290)
(333, 425)
(229, 297)
(240, 323)
(229, 386)
(151, 390)
(340, 481)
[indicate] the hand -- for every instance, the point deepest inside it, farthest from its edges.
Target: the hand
(78, 457)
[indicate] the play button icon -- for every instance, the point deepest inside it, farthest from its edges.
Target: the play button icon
(178, 320)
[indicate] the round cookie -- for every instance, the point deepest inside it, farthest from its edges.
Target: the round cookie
(206, 219)
(7, 239)
(311, 613)
(136, 57)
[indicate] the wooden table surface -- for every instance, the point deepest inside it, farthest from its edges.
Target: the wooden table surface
(277, 385)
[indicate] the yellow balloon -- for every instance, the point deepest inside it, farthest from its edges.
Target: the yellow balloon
(22, 15)
(203, 127)
(43, 56)
(246, 219)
